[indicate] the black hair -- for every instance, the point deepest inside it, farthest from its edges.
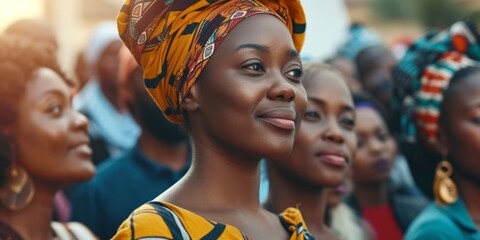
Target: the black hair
(360, 98)
(368, 59)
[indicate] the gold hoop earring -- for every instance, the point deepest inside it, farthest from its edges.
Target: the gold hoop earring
(19, 191)
(444, 189)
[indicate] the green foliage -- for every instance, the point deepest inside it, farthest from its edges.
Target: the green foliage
(475, 16)
(392, 9)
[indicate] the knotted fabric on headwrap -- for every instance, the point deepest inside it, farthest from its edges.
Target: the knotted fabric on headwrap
(424, 74)
(173, 39)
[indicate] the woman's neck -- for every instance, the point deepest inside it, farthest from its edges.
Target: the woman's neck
(470, 193)
(32, 222)
(311, 202)
(371, 194)
(219, 180)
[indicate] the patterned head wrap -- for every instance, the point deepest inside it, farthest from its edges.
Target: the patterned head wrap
(173, 39)
(424, 74)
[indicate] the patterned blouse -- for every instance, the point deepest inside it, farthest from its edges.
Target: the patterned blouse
(160, 220)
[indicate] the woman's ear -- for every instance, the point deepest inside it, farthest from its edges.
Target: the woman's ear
(190, 101)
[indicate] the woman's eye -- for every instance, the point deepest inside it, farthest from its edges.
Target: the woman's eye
(56, 109)
(383, 137)
(476, 120)
(254, 67)
(296, 73)
(311, 115)
(349, 122)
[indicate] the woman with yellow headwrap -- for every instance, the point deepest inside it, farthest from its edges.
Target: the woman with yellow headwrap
(230, 73)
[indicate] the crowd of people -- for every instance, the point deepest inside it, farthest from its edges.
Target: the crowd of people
(186, 121)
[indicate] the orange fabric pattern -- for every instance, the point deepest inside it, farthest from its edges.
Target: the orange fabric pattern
(162, 220)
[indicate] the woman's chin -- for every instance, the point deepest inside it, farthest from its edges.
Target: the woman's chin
(279, 152)
(78, 177)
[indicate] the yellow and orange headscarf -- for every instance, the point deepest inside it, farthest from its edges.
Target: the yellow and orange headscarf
(173, 39)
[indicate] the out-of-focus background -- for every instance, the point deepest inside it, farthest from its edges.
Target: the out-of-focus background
(395, 21)
(363, 39)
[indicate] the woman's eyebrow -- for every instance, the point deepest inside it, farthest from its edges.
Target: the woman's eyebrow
(259, 47)
(293, 53)
(322, 102)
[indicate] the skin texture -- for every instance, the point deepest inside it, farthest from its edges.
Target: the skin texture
(250, 74)
(461, 137)
(327, 129)
(52, 146)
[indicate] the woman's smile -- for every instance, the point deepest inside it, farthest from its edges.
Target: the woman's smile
(283, 118)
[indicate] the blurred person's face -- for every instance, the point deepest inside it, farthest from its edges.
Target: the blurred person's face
(107, 70)
(376, 149)
(326, 142)
(51, 138)
(462, 127)
(378, 83)
(249, 99)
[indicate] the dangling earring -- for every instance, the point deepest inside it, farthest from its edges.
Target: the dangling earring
(18, 191)
(444, 189)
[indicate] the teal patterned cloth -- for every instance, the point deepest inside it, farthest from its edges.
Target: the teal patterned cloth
(424, 73)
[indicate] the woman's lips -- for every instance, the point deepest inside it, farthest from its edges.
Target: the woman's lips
(82, 149)
(334, 159)
(281, 118)
(342, 188)
(382, 165)
(281, 123)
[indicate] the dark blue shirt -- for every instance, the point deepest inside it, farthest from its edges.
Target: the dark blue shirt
(121, 185)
